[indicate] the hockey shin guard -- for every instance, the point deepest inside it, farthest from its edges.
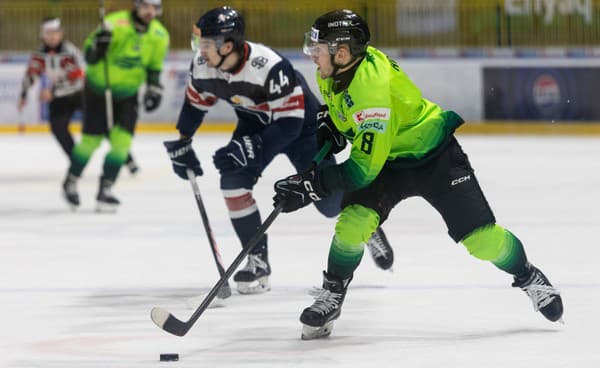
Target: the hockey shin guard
(120, 142)
(244, 216)
(82, 152)
(495, 244)
(355, 226)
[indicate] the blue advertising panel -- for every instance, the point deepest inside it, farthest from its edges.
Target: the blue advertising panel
(534, 93)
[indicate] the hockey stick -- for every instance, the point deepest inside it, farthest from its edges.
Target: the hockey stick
(168, 322)
(107, 91)
(225, 291)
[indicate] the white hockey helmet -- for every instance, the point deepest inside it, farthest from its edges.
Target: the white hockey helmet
(156, 3)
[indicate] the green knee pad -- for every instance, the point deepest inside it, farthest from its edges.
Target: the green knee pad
(120, 142)
(83, 151)
(355, 226)
(495, 244)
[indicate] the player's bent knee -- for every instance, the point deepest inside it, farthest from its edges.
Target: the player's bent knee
(120, 138)
(231, 182)
(240, 202)
(356, 224)
(486, 242)
(89, 143)
(330, 206)
(120, 142)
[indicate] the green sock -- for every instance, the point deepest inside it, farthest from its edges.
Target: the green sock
(120, 142)
(82, 153)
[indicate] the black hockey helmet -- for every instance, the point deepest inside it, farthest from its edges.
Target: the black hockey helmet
(223, 24)
(339, 27)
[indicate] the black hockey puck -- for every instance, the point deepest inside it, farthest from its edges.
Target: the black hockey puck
(169, 357)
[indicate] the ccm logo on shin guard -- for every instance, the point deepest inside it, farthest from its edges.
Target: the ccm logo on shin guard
(460, 180)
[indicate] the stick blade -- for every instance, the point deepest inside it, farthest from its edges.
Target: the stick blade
(168, 322)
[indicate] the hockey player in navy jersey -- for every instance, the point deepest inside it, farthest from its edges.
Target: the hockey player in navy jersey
(276, 112)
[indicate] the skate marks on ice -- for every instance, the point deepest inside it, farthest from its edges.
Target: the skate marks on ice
(112, 327)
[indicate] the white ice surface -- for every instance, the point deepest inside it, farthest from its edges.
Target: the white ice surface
(76, 289)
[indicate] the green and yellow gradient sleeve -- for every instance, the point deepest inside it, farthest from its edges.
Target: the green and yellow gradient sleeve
(385, 117)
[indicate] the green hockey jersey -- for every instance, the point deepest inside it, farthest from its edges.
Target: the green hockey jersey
(386, 119)
(130, 55)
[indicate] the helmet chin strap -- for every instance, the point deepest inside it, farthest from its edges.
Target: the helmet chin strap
(239, 50)
(223, 57)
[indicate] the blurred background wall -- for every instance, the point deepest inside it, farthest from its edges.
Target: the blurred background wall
(394, 23)
(508, 60)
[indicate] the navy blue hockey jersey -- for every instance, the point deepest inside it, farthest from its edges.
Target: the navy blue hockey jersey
(270, 98)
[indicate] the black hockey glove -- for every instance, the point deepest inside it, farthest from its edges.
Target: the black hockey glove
(152, 97)
(328, 132)
(183, 157)
(298, 191)
(101, 42)
(240, 153)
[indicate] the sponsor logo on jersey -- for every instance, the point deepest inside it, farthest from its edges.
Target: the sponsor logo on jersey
(348, 99)
(363, 116)
(201, 61)
(259, 62)
(460, 180)
(373, 125)
(129, 62)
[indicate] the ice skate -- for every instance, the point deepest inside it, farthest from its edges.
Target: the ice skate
(318, 319)
(106, 202)
(380, 250)
(70, 194)
(546, 299)
(254, 277)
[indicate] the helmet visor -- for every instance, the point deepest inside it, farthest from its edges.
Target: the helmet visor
(199, 43)
(312, 46)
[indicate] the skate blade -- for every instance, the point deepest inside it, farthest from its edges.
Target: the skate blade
(72, 205)
(311, 333)
(259, 286)
(106, 208)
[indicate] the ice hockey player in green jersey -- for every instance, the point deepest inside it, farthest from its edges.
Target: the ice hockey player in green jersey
(134, 44)
(402, 145)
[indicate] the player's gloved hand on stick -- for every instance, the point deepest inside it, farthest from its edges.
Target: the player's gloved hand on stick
(183, 157)
(152, 97)
(297, 191)
(101, 42)
(242, 152)
(327, 132)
